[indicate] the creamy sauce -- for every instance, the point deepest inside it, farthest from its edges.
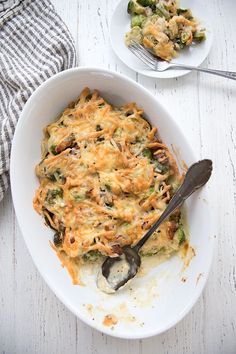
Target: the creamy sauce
(103, 284)
(118, 272)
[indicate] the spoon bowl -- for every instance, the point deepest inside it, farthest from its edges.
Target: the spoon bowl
(129, 257)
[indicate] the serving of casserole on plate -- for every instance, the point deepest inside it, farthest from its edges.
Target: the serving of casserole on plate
(173, 31)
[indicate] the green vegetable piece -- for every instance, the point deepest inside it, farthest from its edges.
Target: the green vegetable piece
(134, 34)
(130, 7)
(149, 254)
(134, 8)
(181, 45)
(161, 11)
(153, 252)
(185, 12)
(151, 190)
(53, 194)
(101, 138)
(53, 149)
(98, 127)
(57, 176)
(180, 235)
(200, 36)
(108, 187)
(118, 132)
(174, 183)
(92, 256)
(146, 2)
(175, 186)
(185, 36)
(147, 153)
(57, 239)
(181, 11)
(126, 223)
(138, 20)
(161, 168)
(79, 197)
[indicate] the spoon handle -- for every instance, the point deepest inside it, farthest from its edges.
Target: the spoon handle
(197, 175)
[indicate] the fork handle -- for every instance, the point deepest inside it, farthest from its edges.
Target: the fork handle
(228, 74)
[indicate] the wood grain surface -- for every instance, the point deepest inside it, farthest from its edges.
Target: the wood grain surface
(32, 319)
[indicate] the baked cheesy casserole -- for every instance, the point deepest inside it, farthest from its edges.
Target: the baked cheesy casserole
(163, 27)
(105, 178)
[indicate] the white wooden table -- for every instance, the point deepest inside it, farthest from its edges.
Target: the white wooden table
(32, 319)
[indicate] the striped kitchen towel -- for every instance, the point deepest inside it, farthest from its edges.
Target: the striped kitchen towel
(34, 45)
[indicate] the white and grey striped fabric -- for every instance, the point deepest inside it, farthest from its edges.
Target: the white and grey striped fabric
(34, 45)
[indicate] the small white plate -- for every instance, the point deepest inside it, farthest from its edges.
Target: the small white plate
(194, 55)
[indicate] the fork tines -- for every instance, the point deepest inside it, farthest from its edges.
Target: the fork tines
(143, 54)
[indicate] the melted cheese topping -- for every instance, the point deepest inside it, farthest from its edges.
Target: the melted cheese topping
(105, 178)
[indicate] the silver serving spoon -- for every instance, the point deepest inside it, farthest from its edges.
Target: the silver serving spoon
(117, 271)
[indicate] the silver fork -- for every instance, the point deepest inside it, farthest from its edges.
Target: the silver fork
(160, 65)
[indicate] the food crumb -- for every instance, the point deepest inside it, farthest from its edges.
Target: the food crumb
(89, 307)
(198, 277)
(188, 256)
(110, 320)
(183, 279)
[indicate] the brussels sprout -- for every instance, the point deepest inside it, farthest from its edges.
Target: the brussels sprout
(53, 149)
(69, 141)
(78, 194)
(138, 20)
(200, 36)
(185, 35)
(53, 195)
(161, 11)
(134, 8)
(160, 168)
(147, 153)
(98, 127)
(146, 2)
(179, 43)
(185, 12)
(79, 197)
(92, 256)
(108, 187)
(57, 176)
(180, 234)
